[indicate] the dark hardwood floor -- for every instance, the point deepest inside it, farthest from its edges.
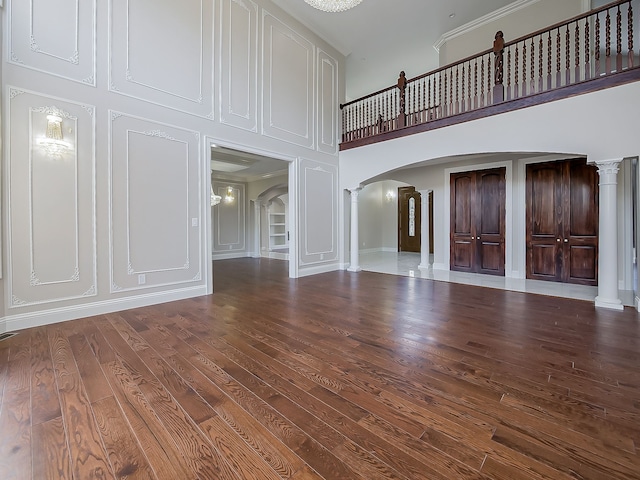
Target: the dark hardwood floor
(334, 376)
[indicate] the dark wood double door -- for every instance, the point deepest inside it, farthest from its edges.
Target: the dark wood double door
(478, 221)
(562, 222)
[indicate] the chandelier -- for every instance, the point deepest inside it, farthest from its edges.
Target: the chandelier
(333, 5)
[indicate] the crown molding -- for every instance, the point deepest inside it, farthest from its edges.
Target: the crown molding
(485, 19)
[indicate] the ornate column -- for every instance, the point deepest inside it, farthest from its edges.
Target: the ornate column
(608, 296)
(424, 230)
(257, 205)
(354, 265)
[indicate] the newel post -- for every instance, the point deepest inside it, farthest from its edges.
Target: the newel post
(402, 86)
(498, 52)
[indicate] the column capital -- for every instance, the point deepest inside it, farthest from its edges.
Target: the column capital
(607, 167)
(425, 191)
(354, 193)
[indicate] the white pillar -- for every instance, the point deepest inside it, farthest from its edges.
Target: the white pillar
(424, 230)
(608, 296)
(354, 265)
(256, 229)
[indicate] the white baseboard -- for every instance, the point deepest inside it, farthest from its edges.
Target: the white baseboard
(440, 266)
(306, 271)
(55, 315)
(228, 256)
(378, 249)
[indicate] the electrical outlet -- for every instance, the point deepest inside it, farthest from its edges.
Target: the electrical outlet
(194, 222)
(142, 279)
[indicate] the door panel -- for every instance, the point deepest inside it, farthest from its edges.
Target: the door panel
(462, 255)
(490, 198)
(543, 263)
(409, 211)
(562, 222)
(477, 221)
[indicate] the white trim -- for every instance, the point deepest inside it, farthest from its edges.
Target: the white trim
(485, 19)
(332, 267)
(228, 256)
(46, 317)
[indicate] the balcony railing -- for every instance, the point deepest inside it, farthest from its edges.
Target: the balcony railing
(587, 48)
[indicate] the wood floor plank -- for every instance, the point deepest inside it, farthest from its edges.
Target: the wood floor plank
(122, 448)
(44, 393)
(51, 460)
(156, 442)
(15, 411)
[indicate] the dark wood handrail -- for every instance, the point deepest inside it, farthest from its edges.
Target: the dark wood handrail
(509, 71)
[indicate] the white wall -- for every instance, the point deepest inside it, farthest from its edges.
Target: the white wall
(143, 88)
(515, 20)
(378, 216)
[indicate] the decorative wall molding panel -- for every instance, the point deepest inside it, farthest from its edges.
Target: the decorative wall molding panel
(318, 217)
(229, 218)
(327, 103)
(156, 216)
(58, 37)
(51, 191)
(164, 55)
(288, 83)
(239, 64)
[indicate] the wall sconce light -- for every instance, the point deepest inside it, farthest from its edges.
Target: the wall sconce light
(229, 198)
(390, 195)
(215, 199)
(53, 144)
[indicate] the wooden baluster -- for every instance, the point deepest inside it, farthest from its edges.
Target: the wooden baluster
(394, 109)
(516, 89)
(567, 58)
(532, 76)
(524, 68)
(387, 102)
(469, 103)
(489, 77)
(619, 40)
(558, 57)
(467, 100)
(596, 47)
(498, 52)
(607, 52)
(428, 117)
(370, 120)
(457, 103)
(424, 115)
(451, 110)
(444, 99)
(577, 54)
(482, 82)
(440, 102)
(549, 48)
(630, 35)
(416, 102)
(409, 113)
(475, 84)
(587, 53)
(509, 74)
(540, 67)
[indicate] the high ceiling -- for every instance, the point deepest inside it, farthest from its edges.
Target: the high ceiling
(382, 37)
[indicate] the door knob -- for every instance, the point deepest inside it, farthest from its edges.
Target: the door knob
(566, 240)
(557, 239)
